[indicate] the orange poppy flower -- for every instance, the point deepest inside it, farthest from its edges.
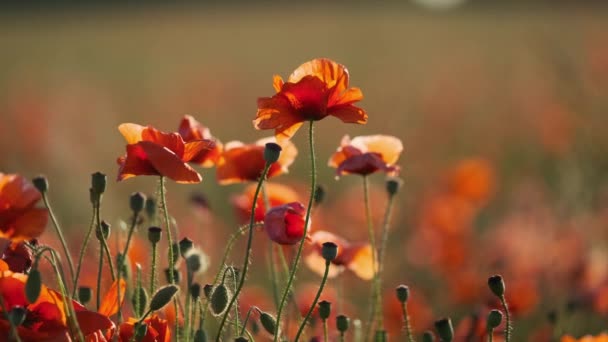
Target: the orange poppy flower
(152, 152)
(158, 330)
(313, 91)
(242, 163)
(285, 224)
(19, 218)
(367, 154)
(356, 257)
(192, 130)
(45, 319)
(603, 337)
(278, 194)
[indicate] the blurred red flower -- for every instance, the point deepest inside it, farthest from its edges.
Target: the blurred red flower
(316, 89)
(192, 130)
(157, 330)
(603, 337)
(19, 218)
(278, 194)
(242, 163)
(285, 224)
(152, 152)
(367, 154)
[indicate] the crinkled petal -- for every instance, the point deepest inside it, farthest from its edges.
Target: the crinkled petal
(197, 149)
(349, 114)
(131, 132)
(172, 141)
(387, 146)
(169, 164)
(333, 74)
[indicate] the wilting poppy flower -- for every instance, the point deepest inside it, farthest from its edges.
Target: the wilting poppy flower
(285, 224)
(603, 337)
(242, 163)
(19, 218)
(192, 130)
(45, 319)
(367, 154)
(278, 194)
(356, 257)
(313, 91)
(152, 152)
(158, 330)
(18, 257)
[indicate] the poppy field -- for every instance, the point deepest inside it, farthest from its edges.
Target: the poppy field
(223, 174)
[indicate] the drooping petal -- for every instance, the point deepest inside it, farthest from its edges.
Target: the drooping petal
(316, 263)
(16, 192)
(349, 96)
(31, 224)
(135, 163)
(278, 114)
(110, 304)
(244, 163)
(364, 164)
(349, 114)
(131, 132)
(168, 164)
(91, 322)
(172, 141)
(387, 146)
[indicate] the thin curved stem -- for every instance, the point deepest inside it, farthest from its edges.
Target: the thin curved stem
(372, 241)
(381, 255)
(99, 271)
(153, 268)
(314, 302)
(247, 252)
(296, 261)
(64, 245)
(406, 323)
(122, 263)
(509, 324)
(82, 252)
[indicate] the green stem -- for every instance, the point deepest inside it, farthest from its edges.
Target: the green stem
(103, 241)
(490, 335)
(372, 241)
(99, 271)
(247, 252)
(120, 266)
(325, 334)
(153, 268)
(314, 302)
(246, 320)
(509, 326)
(406, 323)
(187, 322)
(45, 199)
(296, 261)
(81, 255)
(273, 275)
(381, 256)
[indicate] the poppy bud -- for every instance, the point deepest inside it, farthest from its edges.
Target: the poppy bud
(199, 336)
(98, 184)
(84, 294)
(494, 319)
(403, 293)
(150, 207)
(380, 336)
(33, 285)
(141, 295)
(41, 183)
(285, 224)
(141, 329)
(137, 202)
(103, 231)
(428, 337)
(324, 309)
(272, 151)
(319, 194)
(177, 277)
(195, 290)
(342, 323)
(17, 315)
(163, 296)
(393, 185)
(154, 234)
(269, 323)
(207, 290)
(184, 246)
(329, 251)
(497, 285)
(445, 329)
(219, 299)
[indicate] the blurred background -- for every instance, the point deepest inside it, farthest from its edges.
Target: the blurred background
(507, 98)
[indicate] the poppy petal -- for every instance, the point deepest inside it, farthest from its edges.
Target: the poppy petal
(244, 163)
(277, 83)
(362, 262)
(16, 192)
(91, 322)
(349, 114)
(316, 263)
(135, 163)
(29, 225)
(110, 304)
(169, 164)
(195, 148)
(278, 114)
(387, 146)
(172, 141)
(331, 73)
(131, 132)
(349, 96)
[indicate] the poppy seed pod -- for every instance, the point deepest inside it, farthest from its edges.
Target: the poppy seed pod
(154, 234)
(497, 285)
(285, 224)
(241, 339)
(185, 245)
(41, 183)
(329, 251)
(85, 294)
(342, 323)
(98, 183)
(403, 293)
(324, 309)
(196, 260)
(103, 231)
(177, 277)
(393, 185)
(494, 319)
(195, 290)
(137, 201)
(207, 290)
(445, 329)
(272, 151)
(428, 337)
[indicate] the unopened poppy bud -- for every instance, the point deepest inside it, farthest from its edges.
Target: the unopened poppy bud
(269, 323)
(200, 336)
(154, 234)
(140, 295)
(494, 319)
(195, 290)
(207, 290)
(33, 285)
(393, 185)
(403, 293)
(324, 309)
(185, 245)
(445, 329)
(137, 202)
(342, 323)
(103, 231)
(428, 337)
(219, 299)
(163, 296)
(141, 329)
(272, 151)
(380, 336)
(17, 315)
(84, 294)
(319, 194)
(41, 183)
(150, 207)
(98, 183)
(329, 251)
(497, 285)
(177, 277)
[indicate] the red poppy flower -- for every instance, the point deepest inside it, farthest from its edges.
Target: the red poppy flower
(278, 194)
(45, 319)
(19, 218)
(242, 163)
(17, 257)
(603, 337)
(367, 154)
(313, 91)
(152, 152)
(285, 224)
(356, 257)
(192, 130)
(158, 330)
